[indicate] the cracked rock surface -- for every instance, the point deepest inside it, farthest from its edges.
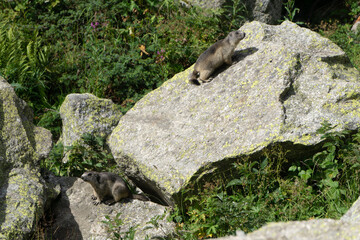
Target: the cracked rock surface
(285, 81)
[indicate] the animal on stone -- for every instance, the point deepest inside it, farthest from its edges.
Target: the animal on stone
(109, 188)
(216, 55)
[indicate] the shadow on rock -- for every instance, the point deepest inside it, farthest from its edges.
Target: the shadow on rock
(241, 54)
(238, 56)
(64, 224)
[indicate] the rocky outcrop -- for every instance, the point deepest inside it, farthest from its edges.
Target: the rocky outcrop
(348, 227)
(75, 216)
(266, 11)
(85, 113)
(286, 82)
(23, 194)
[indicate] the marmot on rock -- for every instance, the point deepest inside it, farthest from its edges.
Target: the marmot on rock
(109, 188)
(215, 56)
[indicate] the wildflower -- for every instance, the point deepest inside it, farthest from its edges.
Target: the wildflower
(94, 25)
(160, 57)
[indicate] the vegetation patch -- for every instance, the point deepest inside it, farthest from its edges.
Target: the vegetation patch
(113, 49)
(273, 189)
(88, 154)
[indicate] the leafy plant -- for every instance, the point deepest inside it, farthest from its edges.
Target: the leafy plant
(234, 13)
(89, 154)
(328, 171)
(24, 63)
(291, 11)
(51, 120)
(114, 227)
(354, 7)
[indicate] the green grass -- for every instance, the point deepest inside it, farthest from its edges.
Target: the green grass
(114, 49)
(273, 189)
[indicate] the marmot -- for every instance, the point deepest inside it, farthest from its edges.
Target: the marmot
(215, 56)
(109, 188)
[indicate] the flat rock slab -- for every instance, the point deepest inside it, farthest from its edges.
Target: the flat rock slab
(75, 217)
(286, 82)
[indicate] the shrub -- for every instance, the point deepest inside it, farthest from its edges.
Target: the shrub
(89, 154)
(114, 49)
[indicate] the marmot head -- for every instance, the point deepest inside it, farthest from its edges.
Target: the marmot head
(90, 177)
(234, 37)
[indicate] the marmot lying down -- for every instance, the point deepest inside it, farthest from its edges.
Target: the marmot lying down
(109, 188)
(215, 56)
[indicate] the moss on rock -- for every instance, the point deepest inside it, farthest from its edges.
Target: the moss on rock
(85, 113)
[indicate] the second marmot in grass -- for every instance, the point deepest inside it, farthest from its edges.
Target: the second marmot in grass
(109, 187)
(215, 56)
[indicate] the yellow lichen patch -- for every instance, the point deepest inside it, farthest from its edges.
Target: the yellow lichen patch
(22, 201)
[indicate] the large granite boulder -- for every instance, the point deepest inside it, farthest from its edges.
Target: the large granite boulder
(86, 113)
(286, 82)
(22, 191)
(76, 217)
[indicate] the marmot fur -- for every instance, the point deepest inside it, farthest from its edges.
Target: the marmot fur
(109, 188)
(215, 56)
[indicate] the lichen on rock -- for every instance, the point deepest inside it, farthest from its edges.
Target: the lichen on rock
(22, 145)
(85, 113)
(285, 82)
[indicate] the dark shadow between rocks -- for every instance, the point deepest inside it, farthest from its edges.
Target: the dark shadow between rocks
(4, 183)
(64, 225)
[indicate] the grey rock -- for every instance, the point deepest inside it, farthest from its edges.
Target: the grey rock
(85, 113)
(75, 216)
(266, 11)
(355, 27)
(22, 145)
(353, 214)
(43, 145)
(286, 82)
